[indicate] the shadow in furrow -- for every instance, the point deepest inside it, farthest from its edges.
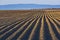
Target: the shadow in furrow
(56, 23)
(58, 20)
(15, 29)
(37, 31)
(54, 29)
(10, 24)
(26, 36)
(15, 23)
(47, 35)
(19, 33)
(55, 18)
(9, 28)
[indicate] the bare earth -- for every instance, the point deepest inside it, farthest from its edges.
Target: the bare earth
(43, 24)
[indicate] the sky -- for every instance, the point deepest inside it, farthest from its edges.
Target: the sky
(49, 2)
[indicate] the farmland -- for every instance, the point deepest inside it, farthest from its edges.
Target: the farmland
(41, 24)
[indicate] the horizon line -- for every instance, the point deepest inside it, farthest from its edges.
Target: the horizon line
(29, 4)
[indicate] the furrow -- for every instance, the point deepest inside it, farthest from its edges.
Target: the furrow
(58, 30)
(51, 30)
(42, 29)
(22, 34)
(33, 30)
(13, 34)
(13, 29)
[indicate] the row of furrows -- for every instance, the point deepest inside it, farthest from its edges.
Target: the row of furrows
(15, 22)
(12, 28)
(43, 27)
(54, 32)
(55, 15)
